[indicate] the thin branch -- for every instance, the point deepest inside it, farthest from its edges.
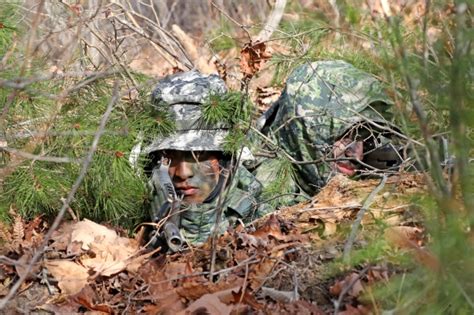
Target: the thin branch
(360, 215)
(35, 157)
(85, 166)
(243, 27)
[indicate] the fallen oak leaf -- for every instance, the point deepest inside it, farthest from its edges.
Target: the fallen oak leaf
(89, 232)
(71, 277)
(108, 259)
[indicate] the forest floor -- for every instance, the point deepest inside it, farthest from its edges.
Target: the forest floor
(289, 262)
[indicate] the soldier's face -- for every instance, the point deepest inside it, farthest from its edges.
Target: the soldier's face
(194, 174)
(346, 149)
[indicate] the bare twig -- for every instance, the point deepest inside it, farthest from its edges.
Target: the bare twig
(36, 157)
(360, 215)
(85, 166)
(243, 27)
(355, 206)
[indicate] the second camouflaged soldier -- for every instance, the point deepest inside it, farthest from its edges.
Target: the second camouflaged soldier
(331, 118)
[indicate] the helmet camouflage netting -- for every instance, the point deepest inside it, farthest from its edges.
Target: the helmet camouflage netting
(182, 96)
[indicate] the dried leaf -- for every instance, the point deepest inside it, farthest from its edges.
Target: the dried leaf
(271, 227)
(71, 277)
(351, 310)
(207, 304)
(260, 272)
(405, 237)
(22, 264)
(246, 298)
(108, 259)
(161, 289)
(330, 228)
(86, 299)
(89, 232)
(197, 288)
(402, 236)
(351, 282)
(251, 241)
(6, 238)
(252, 58)
(111, 253)
(60, 308)
(62, 236)
(31, 227)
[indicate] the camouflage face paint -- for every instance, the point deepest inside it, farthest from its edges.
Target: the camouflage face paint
(194, 174)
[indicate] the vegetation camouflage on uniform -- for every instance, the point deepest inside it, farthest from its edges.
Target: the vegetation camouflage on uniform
(182, 95)
(320, 102)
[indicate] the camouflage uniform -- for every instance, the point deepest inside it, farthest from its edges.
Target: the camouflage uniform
(181, 96)
(321, 102)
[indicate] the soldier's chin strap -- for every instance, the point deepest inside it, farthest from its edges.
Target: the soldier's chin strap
(221, 181)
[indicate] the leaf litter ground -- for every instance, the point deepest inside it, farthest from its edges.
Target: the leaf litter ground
(280, 264)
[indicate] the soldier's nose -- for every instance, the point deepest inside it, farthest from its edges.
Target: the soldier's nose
(183, 170)
(355, 150)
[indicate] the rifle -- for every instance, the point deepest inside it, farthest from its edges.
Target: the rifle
(390, 156)
(170, 208)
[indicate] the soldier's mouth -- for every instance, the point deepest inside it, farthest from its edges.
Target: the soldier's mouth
(346, 168)
(188, 191)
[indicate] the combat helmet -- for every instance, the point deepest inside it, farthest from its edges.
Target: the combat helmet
(323, 101)
(182, 95)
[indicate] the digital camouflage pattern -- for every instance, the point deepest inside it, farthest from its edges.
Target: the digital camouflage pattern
(182, 95)
(322, 101)
(240, 202)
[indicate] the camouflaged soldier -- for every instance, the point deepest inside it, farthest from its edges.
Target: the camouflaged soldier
(189, 168)
(337, 115)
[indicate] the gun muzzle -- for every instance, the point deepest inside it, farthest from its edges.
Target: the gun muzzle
(173, 237)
